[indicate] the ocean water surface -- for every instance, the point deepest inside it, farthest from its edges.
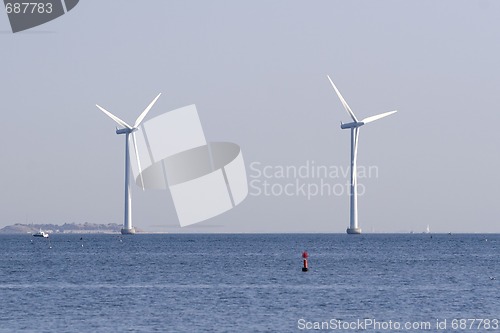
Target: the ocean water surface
(248, 283)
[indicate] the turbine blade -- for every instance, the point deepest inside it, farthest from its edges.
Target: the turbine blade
(379, 116)
(115, 118)
(145, 112)
(134, 141)
(344, 103)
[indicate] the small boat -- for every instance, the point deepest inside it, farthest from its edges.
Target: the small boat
(41, 234)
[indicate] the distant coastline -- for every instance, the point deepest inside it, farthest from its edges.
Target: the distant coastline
(66, 228)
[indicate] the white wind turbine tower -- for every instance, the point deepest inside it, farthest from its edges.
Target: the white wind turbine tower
(354, 126)
(127, 130)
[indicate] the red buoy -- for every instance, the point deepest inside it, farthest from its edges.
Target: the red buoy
(305, 255)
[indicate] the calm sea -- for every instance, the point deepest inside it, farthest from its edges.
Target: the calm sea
(248, 283)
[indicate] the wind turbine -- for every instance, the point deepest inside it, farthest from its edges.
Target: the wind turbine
(354, 126)
(127, 130)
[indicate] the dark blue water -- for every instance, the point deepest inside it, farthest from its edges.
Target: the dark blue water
(244, 283)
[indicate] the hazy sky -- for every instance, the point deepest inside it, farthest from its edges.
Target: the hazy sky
(256, 71)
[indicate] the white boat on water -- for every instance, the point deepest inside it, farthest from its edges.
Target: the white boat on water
(41, 234)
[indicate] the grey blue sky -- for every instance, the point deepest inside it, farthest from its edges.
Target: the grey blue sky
(257, 72)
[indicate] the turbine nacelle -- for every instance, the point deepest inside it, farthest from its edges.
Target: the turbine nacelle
(351, 125)
(126, 130)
